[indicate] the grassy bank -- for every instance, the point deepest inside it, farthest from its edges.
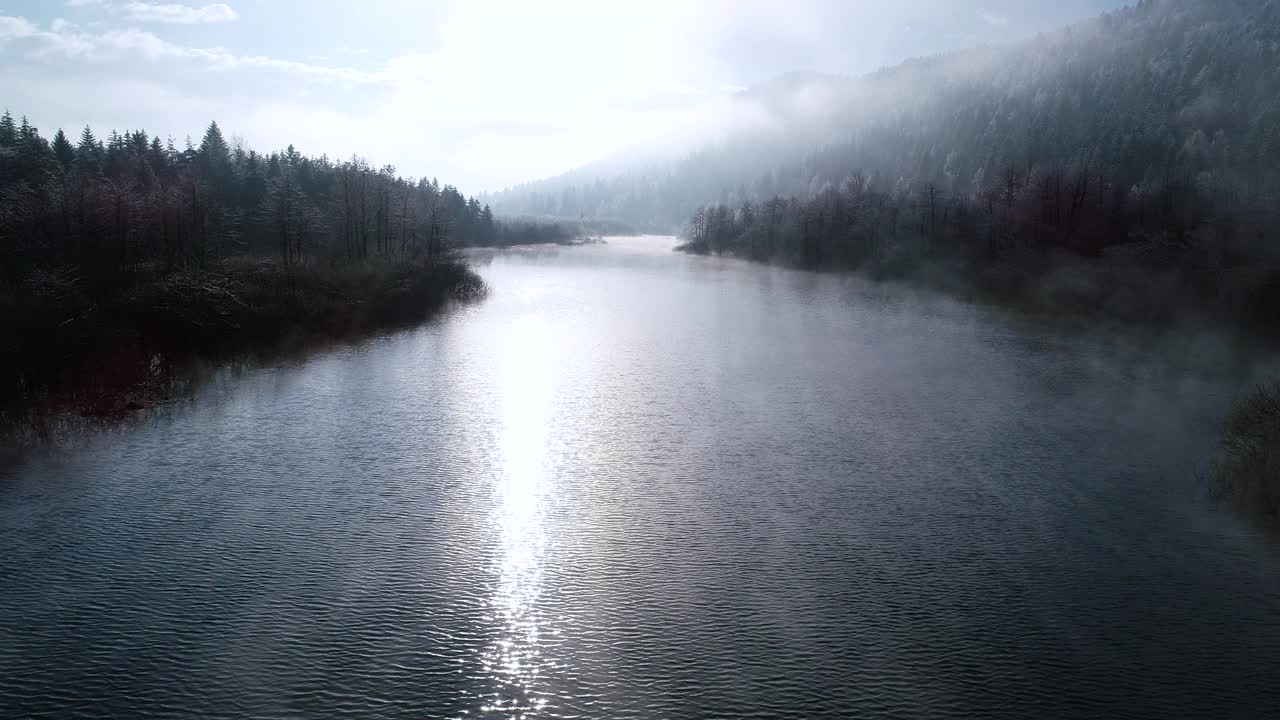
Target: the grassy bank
(73, 348)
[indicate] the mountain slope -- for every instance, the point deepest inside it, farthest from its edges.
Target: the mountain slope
(1187, 88)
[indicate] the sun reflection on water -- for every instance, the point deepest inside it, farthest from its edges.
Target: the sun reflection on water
(515, 661)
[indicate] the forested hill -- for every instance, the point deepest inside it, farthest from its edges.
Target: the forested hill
(656, 190)
(114, 250)
(131, 197)
(1166, 88)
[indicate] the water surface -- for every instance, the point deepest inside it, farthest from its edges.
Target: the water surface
(636, 484)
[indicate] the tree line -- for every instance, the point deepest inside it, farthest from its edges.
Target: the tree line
(133, 203)
(115, 249)
(1144, 251)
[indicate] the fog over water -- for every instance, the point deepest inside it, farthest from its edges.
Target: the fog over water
(636, 483)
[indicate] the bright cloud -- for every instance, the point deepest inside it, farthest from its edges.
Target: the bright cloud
(12, 28)
(66, 39)
(179, 14)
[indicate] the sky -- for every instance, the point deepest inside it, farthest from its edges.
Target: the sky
(482, 94)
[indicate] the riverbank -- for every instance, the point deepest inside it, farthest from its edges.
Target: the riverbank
(76, 352)
(1121, 293)
(1120, 290)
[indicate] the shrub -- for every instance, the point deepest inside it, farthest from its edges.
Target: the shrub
(67, 343)
(1246, 471)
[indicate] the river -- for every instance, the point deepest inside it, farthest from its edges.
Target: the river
(638, 484)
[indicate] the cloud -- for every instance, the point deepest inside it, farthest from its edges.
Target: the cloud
(176, 14)
(993, 19)
(15, 28)
(85, 3)
(65, 39)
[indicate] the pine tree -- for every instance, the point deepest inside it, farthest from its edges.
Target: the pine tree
(214, 151)
(488, 231)
(116, 160)
(34, 157)
(214, 157)
(8, 131)
(138, 143)
(254, 185)
(158, 157)
(62, 150)
(89, 153)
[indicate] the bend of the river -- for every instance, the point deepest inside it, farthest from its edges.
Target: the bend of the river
(638, 484)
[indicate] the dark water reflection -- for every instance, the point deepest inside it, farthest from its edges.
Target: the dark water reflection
(633, 484)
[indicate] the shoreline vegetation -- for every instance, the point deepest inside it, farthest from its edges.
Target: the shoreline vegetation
(125, 262)
(550, 230)
(1059, 244)
(103, 357)
(1245, 473)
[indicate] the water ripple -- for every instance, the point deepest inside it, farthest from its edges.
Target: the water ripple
(638, 485)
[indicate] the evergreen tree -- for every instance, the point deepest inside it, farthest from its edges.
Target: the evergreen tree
(88, 153)
(214, 151)
(62, 150)
(138, 143)
(158, 157)
(214, 157)
(116, 161)
(8, 131)
(254, 185)
(487, 234)
(34, 158)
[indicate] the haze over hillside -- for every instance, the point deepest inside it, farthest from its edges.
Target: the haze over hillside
(486, 94)
(1166, 87)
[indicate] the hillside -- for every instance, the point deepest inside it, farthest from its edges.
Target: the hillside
(655, 189)
(1185, 88)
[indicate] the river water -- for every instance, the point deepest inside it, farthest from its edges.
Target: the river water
(637, 484)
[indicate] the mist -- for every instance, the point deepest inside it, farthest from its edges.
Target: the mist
(485, 94)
